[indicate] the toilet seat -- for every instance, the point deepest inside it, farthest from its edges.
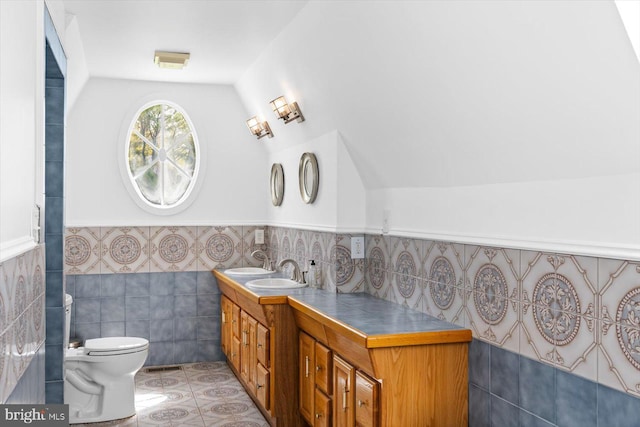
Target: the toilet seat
(114, 346)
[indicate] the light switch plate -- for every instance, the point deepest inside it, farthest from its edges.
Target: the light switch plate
(357, 247)
(259, 237)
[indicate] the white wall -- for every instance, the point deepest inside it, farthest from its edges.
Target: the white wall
(589, 216)
(22, 89)
(233, 174)
(446, 107)
(339, 205)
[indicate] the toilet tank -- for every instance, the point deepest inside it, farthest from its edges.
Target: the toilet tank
(68, 300)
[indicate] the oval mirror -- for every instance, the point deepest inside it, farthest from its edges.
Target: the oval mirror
(277, 184)
(309, 177)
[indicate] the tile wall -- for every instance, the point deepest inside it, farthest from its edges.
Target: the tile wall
(554, 334)
(54, 225)
(155, 283)
(330, 251)
(22, 320)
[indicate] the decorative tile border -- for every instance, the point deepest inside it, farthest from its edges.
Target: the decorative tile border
(116, 250)
(173, 249)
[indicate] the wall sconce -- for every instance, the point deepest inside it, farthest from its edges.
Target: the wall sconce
(258, 128)
(287, 112)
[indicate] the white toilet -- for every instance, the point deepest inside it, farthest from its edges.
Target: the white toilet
(99, 377)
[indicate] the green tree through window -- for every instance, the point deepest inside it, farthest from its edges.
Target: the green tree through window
(162, 155)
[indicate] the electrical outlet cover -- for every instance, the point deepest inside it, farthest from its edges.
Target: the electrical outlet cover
(357, 247)
(259, 237)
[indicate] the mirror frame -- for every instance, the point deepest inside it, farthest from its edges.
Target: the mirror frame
(308, 190)
(277, 184)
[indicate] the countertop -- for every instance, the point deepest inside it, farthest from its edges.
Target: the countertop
(374, 318)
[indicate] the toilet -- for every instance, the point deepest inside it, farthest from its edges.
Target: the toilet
(99, 377)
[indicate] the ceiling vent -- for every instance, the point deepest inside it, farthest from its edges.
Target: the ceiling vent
(171, 60)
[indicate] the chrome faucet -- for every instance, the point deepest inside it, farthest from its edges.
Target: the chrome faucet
(266, 262)
(297, 274)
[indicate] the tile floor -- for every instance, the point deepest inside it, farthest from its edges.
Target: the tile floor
(201, 394)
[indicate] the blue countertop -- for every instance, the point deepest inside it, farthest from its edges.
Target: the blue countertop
(366, 313)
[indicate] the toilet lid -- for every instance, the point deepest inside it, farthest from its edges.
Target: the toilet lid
(114, 345)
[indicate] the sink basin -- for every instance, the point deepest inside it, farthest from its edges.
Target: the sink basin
(246, 271)
(274, 283)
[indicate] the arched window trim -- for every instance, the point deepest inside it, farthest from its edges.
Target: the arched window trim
(190, 194)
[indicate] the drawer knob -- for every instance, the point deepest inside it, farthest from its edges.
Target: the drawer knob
(361, 403)
(318, 415)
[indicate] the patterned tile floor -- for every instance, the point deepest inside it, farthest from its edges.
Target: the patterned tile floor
(201, 394)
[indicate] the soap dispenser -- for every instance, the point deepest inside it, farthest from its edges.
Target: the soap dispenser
(314, 275)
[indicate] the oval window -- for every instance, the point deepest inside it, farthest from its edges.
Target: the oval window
(162, 155)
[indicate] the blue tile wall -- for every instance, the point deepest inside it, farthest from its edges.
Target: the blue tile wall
(177, 312)
(508, 389)
(55, 69)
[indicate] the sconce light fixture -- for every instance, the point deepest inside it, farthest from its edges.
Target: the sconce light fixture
(171, 60)
(259, 128)
(285, 111)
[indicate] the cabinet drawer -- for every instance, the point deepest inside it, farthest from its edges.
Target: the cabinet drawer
(366, 407)
(322, 417)
(324, 369)
(263, 386)
(263, 345)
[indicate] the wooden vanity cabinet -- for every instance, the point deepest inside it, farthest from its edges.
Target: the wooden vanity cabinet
(259, 337)
(245, 342)
(424, 374)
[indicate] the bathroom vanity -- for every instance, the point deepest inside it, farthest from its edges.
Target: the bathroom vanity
(311, 357)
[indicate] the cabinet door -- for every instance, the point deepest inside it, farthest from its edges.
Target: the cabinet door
(322, 417)
(343, 399)
(235, 353)
(225, 325)
(366, 407)
(306, 376)
(244, 346)
(262, 350)
(252, 356)
(324, 369)
(263, 386)
(235, 320)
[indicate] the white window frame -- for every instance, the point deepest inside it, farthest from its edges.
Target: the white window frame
(190, 194)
